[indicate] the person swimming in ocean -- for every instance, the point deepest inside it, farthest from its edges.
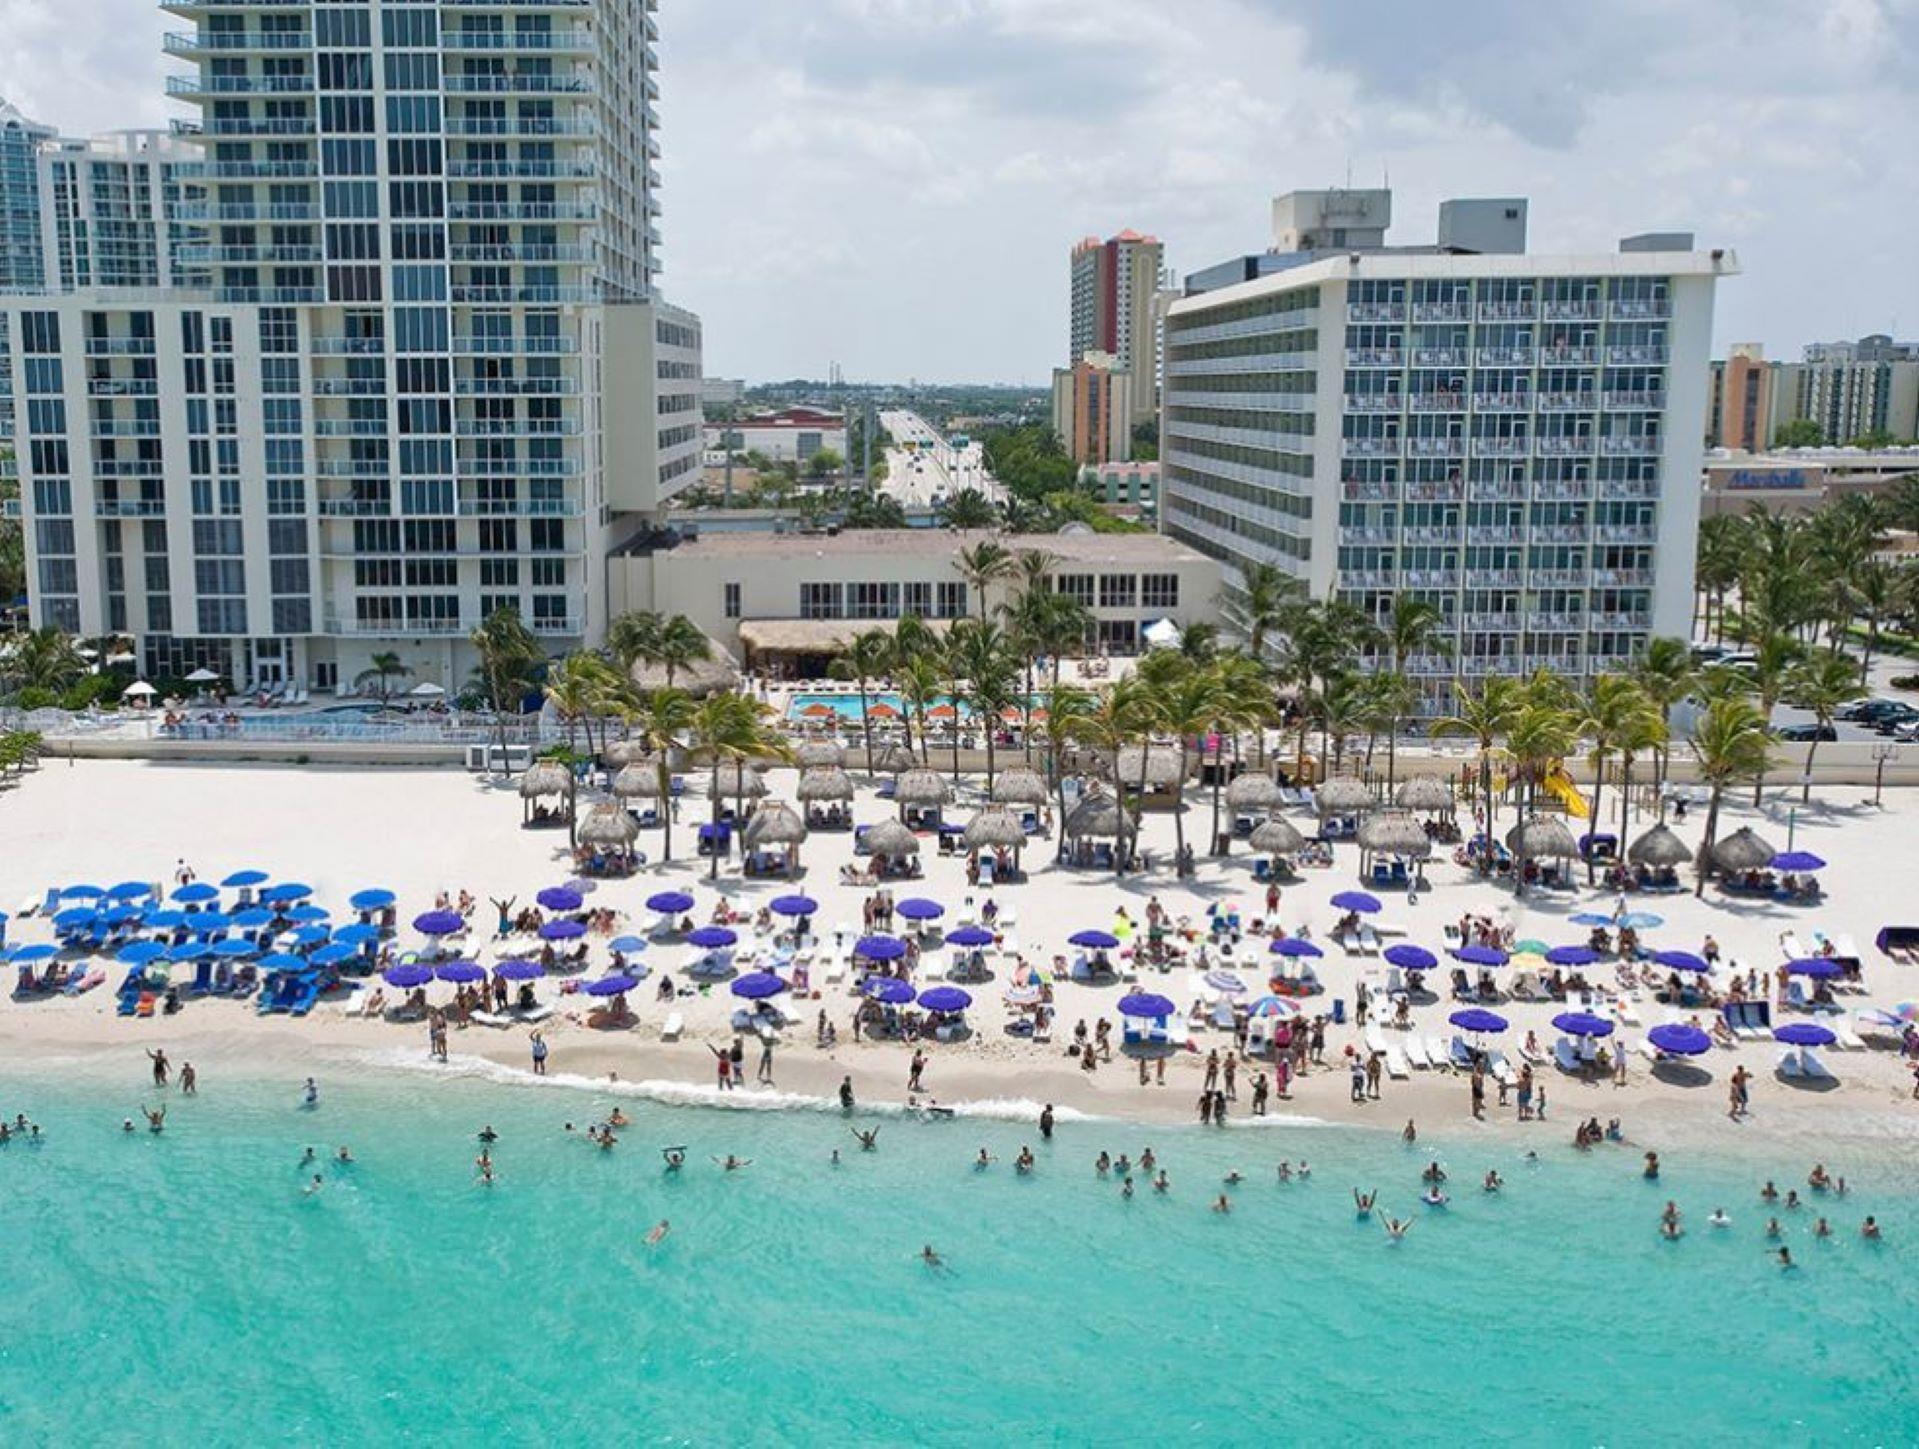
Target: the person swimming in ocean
(485, 1178)
(489, 1136)
(1822, 1229)
(1494, 1182)
(1232, 1178)
(1670, 1216)
(156, 1118)
(930, 1258)
(1670, 1230)
(1363, 1202)
(1102, 1164)
(343, 1156)
(1122, 1165)
(308, 1157)
(869, 1141)
(1773, 1231)
(616, 1118)
(1719, 1219)
(1434, 1197)
(312, 1187)
(1023, 1164)
(1397, 1228)
(1785, 1259)
(312, 1093)
(1869, 1229)
(1285, 1171)
(1126, 1188)
(984, 1160)
(1651, 1170)
(1162, 1183)
(675, 1158)
(1146, 1160)
(1433, 1173)
(1222, 1204)
(732, 1163)
(658, 1232)
(127, 1126)
(1769, 1193)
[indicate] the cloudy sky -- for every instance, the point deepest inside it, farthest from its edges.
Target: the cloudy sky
(895, 184)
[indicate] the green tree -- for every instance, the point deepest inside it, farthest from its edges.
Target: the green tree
(1665, 674)
(867, 657)
(42, 659)
(510, 659)
(663, 717)
(385, 667)
(1484, 712)
(1121, 714)
(1799, 433)
(726, 727)
(1729, 741)
(969, 509)
(1775, 659)
(680, 645)
(1615, 711)
(983, 564)
(1415, 626)
(1822, 683)
(982, 655)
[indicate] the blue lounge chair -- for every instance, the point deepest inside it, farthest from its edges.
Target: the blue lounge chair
(202, 983)
(306, 991)
(129, 992)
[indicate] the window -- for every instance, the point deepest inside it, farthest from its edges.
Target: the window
(820, 601)
(1078, 587)
(1118, 591)
(919, 600)
(952, 600)
(731, 606)
(874, 600)
(1159, 591)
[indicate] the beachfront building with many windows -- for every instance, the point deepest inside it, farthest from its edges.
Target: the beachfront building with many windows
(1514, 437)
(401, 361)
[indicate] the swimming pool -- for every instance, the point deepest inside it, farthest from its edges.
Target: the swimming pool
(882, 704)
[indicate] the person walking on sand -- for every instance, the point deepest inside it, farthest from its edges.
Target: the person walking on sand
(539, 1053)
(1740, 1092)
(916, 1071)
(160, 1067)
(1212, 1069)
(766, 1061)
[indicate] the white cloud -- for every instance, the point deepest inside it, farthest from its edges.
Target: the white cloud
(895, 184)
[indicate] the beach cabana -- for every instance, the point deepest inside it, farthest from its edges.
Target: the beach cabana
(735, 780)
(920, 794)
(638, 782)
(994, 829)
(774, 828)
(545, 780)
(896, 760)
(890, 841)
(1425, 794)
(1098, 816)
(1277, 837)
(1020, 786)
(1744, 850)
(820, 755)
(1252, 793)
(1159, 768)
(1343, 795)
(1660, 849)
(1391, 833)
(609, 830)
(825, 791)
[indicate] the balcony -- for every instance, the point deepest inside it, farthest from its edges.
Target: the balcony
(1436, 447)
(127, 468)
(1440, 533)
(1498, 490)
(1492, 623)
(1639, 311)
(519, 508)
(1634, 489)
(129, 507)
(516, 387)
(232, 42)
(1427, 666)
(1439, 402)
(1557, 578)
(122, 387)
(1441, 356)
(355, 507)
(1442, 312)
(511, 211)
(1556, 624)
(1563, 447)
(1508, 311)
(1370, 447)
(1560, 533)
(519, 467)
(1632, 619)
(1637, 353)
(1502, 447)
(550, 296)
(349, 387)
(523, 170)
(1630, 447)
(252, 256)
(336, 346)
(1622, 578)
(1390, 402)
(1493, 578)
(1568, 402)
(354, 468)
(519, 428)
(1565, 490)
(1505, 356)
(246, 211)
(1451, 491)
(219, 126)
(1502, 402)
(270, 296)
(1369, 492)
(569, 38)
(1367, 578)
(1496, 534)
(350, 428)
(1568, 355)
(529, 83)
(564, 127)
(1628, 533)
(1642, 401)
(119, 347)
(1586, 310)
(1375, 357)
(261, 170)
(1367, 535)
(124, 428)
(515, 255)
(466, 344)
(395, 628)
(194, 87)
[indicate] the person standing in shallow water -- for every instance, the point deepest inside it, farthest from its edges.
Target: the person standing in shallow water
(160, 1067)
(1046, 1122)
(539, 1053)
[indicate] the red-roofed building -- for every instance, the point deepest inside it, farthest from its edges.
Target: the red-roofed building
(1115, 283)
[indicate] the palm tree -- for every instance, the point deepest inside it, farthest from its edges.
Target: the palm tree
(1483, 712)
(1822, 683)
(1665, 674)
(969, 508)
(1067, 709)
(1122, 714)
(1186, 704)
(982, 656)
(663, 717)
(983, 564)
(635, 639)
(1414, 627)
(1720, 559)
(1242, 703)
(1042, 623)
(509, 658)
(1643, 731)
(680, 645)
(867, 657)
(725, 727)
(1614, 711)
(384, 666)
(1265, 599)
(920, 679)
(42, 659)
(1873, 589)
(1774, 660)
(1730, 743)
(1543, 733)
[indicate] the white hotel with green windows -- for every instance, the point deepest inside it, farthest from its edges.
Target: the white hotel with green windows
(412, 367)
(1516, 438)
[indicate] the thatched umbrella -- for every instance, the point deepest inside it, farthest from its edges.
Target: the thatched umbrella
(1096, 815)
(1020, 786)
(1423, 792)
(820, 754)
(895, 759)
(1277, 837)
(609, 827)
(891, 840)
(738, 780)
(1252, 791)
(994, 828)
(1161, 763)
(1659, 847)
(922, 787)
(1741, 851)
(545, 778)
(713, 675)
(638, 781)
(1542, 837)
(624, 752)
(823, 784)
(1343, 795)
(1393, 832)
(776, 826)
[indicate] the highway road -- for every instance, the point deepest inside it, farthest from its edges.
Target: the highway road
(933, 470)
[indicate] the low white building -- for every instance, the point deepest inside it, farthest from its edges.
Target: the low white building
(791, 435)
(793, 601)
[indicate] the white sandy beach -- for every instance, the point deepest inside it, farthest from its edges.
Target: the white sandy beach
(419, 832)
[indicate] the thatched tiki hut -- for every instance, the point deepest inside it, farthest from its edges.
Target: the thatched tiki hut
(921, 790)
(543, 781)
(891, 841)
(1393, 832)
(825, 785)
(1277, 837)
(1424, 794)
(638, 782)
(1251, 793)
(1157, 772)
(610, 830)
(1659, 849)
(820, 754)
(896, 760)
(1097, 816)
(776, 826)
(1020, 786)
(995, 828)
(1343, 795)
(1539, 837)
(1742, 851)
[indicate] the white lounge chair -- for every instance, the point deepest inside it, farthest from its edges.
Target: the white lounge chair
(1396, 1067)
(673, 1026)
(1848, 1039)
(1567, 1057)
(1436, 1049)
(1368, 941)
(1395, 983)
(1416, 1051)
(1501, 1069)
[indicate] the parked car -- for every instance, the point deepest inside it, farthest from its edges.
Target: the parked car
(1887, 720)
(1802, 733)
(1863, 709)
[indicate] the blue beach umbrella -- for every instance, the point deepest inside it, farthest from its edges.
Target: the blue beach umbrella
(1817, 967)
(357, 934)
(194, 892)
(794, 906)
(167, 919)
(121, 915)
(880, 948)
(1591, 918)
(626, 945)
(1144, 1004)
(81, 893)
(1798, 862)
(560, 898)
(712, 938)
(1296, 946)
(286, 893)
(1360, 901)
(308, 915)
(562, 931)
(190, 951)
(235, 947)
(407, 977)
(205, 923)
(1582, 1023)
(1572, 956)
(1681, 961)
(946, 999)
(74, 917)
(251, 919)
(670, 903)
(1804, 1034)
(888, 989)
(1408, 957)
(519, 971)
(308, 935)
(1479, 955)
(460, 973)
(438, 923)
(758, 985)
(376, 898)
(1641, 921)
(334, 953)
(241, 879)
(283, 961)
(918, 908)
(138, 953)
(1476, 1018)
(1094, 940)
(26, 955)
(129, 890)
(970, 937)
(611, 985)
(1679, 1040)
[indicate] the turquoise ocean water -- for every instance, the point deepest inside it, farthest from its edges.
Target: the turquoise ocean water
(180, 1289)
